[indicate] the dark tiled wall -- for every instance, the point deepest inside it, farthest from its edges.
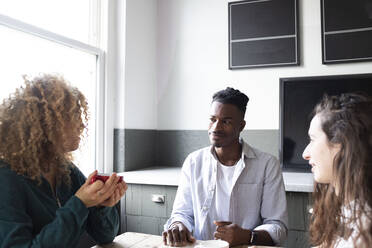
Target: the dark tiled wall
(136, 148)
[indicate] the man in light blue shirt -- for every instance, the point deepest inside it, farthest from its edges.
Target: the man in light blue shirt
(230, 190)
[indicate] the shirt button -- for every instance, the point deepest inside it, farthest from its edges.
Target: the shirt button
(205, 208)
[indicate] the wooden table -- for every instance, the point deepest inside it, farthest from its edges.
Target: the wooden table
(141, 240)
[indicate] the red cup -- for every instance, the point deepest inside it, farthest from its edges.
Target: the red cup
(103, 177)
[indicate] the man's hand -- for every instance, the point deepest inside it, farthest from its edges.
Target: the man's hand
(232, 233)
(177, 235)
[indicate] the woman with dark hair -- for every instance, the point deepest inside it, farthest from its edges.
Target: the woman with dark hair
(339, 153)
(45, 201)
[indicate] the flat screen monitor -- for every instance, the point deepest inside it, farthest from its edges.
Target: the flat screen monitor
(298, 97)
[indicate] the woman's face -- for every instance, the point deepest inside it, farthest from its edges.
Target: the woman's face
(320, 152)
(72, 137)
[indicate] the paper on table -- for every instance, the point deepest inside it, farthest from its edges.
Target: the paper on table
(212, 244)
(205, 244)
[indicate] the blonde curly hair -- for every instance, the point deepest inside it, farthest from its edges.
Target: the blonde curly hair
(33, 124)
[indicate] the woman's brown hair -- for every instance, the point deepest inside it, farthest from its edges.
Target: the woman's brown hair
(346, 120)
(33, 124)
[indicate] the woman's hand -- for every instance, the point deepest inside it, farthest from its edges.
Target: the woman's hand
(101, 194)
(116, 196)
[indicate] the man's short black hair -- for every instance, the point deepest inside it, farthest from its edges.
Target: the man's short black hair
(232, 96)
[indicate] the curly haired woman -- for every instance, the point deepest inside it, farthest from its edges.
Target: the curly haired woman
(45, 200)
(340, 155)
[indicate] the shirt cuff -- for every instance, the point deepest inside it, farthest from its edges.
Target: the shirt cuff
(101, 211)
(277, 233)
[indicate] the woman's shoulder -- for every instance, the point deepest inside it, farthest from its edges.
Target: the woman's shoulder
(76, 175)
(356, 218)
(75, 171)
(12, 183)
(7, 174)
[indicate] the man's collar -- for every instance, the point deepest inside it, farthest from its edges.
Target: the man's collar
(247, 150)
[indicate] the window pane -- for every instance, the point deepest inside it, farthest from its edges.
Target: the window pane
(70, 18)
(26, 54)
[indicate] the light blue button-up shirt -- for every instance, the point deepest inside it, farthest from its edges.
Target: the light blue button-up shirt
(257, 199)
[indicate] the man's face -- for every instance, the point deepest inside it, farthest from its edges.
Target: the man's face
(226, 123)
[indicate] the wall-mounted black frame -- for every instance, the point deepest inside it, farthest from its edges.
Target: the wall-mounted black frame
(346, 31)
(298, 97)
(263, 33)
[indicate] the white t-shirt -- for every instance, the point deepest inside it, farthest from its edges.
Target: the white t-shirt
(224, 186)
(220, 210)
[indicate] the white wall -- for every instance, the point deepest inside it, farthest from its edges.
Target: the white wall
(189, 62)
(140, 64)
(193, 64)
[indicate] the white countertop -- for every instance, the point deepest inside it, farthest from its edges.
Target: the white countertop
(293, 181)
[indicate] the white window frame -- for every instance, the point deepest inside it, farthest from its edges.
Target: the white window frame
(101, 135)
